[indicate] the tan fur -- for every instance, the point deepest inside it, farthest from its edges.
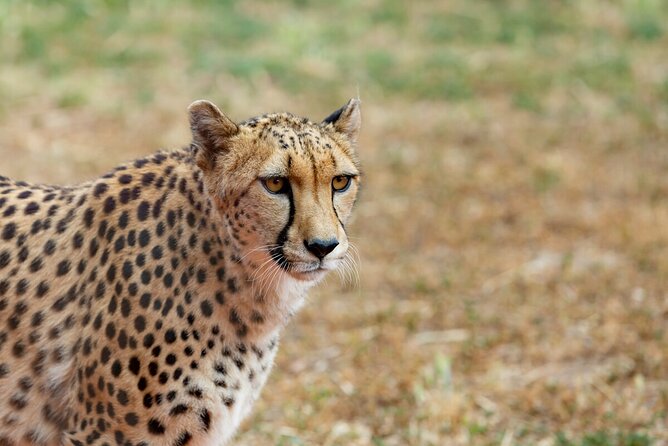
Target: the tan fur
(145, 307)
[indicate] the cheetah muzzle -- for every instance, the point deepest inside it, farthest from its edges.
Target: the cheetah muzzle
(145, 307)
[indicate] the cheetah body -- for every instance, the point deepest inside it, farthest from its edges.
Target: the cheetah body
(145, 307)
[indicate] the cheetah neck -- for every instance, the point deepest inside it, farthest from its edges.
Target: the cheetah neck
(254, 308)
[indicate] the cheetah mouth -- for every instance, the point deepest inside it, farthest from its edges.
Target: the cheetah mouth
(306, 267)
(312, 274)
(305, 270)
(320, 269)
(294, 266)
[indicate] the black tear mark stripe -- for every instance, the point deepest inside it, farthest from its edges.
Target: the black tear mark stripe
(335, 212)
(337, 215)
(277, 253)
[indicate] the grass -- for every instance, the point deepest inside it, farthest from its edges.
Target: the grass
(513, 221)
(606, 439)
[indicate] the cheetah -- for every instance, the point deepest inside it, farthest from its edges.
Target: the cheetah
(145, 307)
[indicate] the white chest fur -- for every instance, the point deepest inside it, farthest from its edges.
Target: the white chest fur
(244, 392)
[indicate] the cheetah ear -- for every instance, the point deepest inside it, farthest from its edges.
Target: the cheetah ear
(347, 120)
(211, 131)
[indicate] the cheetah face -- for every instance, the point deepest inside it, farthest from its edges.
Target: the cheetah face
(285, 186)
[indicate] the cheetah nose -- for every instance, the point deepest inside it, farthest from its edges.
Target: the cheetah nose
(320, 248)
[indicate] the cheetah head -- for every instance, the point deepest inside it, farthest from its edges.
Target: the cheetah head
(283, 185)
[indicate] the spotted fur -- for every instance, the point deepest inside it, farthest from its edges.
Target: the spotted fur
(145, 307)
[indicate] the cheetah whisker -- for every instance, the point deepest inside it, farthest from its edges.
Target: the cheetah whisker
(265, 248)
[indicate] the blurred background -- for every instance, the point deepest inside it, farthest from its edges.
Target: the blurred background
(513, 227)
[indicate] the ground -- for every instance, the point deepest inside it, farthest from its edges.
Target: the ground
(513, 227)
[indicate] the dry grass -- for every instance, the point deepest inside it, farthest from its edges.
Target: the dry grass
(514, 222)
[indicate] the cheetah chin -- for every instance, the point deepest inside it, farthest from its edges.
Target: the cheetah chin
(145, 307)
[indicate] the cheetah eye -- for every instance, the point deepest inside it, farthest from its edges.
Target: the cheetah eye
(340, 183)
(276, 185)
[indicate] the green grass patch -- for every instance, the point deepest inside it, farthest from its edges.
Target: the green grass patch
(603, 438)
(645, 19)
(462, 51)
